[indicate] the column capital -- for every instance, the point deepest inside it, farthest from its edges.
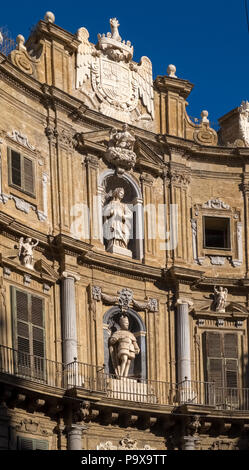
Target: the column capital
(182, 301)
(70, 274)
(77, 429)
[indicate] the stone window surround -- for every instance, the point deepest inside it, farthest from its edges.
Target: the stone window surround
(31, 202)
(217, 256)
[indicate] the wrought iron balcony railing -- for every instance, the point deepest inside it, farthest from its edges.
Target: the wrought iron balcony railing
(93, 379)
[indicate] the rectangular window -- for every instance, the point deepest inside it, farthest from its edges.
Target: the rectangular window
(24, 443)
(28, 333)
(21, 172)
(216, 232)
(221, 364)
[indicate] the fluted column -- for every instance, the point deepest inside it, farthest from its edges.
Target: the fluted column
(74, 436)
(69, 326)
(183, 340)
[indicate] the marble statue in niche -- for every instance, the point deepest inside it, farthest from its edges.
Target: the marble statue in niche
(26, 247)
(117, 224)
(123, 347)
(220, 297)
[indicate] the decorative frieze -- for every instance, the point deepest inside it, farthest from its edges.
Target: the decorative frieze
(126, 443)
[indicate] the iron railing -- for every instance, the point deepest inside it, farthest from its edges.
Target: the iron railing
(93, 379)
(29, 367)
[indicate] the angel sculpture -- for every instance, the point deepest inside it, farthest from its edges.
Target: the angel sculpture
(220, 297)
(26, 251)
(123, 348)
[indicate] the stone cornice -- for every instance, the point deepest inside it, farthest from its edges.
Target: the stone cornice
(53, 32)
(123, 266)
(167, 84)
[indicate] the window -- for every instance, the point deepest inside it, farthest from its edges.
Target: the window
(216, 232)
(29, 337)
(221, 358)
(24, 443)
(21, 172)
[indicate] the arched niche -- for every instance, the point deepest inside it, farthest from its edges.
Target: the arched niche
(138, 367)
(108, 181)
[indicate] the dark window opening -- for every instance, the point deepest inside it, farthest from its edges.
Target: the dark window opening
(216, 232)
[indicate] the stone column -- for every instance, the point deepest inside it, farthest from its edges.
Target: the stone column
(74, 436)
(183, 340)
(69, 326)
(189, 442)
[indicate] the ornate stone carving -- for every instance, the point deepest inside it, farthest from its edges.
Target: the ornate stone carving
(126, 443)
(244, 122)
(123, 347)
(179, 177)
(197, 259)
(117, 82)
(20, 139)
(31, 426)
(125, 300)
(215, 204)
(26, 247)
(21, 58)
(204, 135)
(117, 224)
(120, 149)
(217, 260)
(96, 293)
(49, 17)
(220, 297)
(239, 261)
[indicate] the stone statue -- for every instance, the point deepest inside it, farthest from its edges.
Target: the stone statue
(117, 224)
(220, 297)
(123, 348)
(120, 148)
(26, 251)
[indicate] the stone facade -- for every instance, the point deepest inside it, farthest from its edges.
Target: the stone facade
(79, 120)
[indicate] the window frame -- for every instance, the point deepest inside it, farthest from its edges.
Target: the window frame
(10, 181)
(217, 248)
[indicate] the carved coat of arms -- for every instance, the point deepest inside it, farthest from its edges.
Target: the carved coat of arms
(111, 81)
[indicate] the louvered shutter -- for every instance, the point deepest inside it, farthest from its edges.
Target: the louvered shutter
(214, 358)
(37, 335)
(16, 168)
(28, 175)
(41, 445)
(214, 364)
(24, 443)
(23, 333)
(231, 359)
(29, 336)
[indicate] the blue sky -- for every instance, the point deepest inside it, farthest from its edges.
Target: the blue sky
(207, 41)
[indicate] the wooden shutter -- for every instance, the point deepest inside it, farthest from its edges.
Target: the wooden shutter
(214, 365)
(24, 443)
(231, 359)
(28, 175)
(29, 337)
(16, 168)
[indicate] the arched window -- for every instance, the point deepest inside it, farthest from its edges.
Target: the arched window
(138, 367)
(129, 234)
